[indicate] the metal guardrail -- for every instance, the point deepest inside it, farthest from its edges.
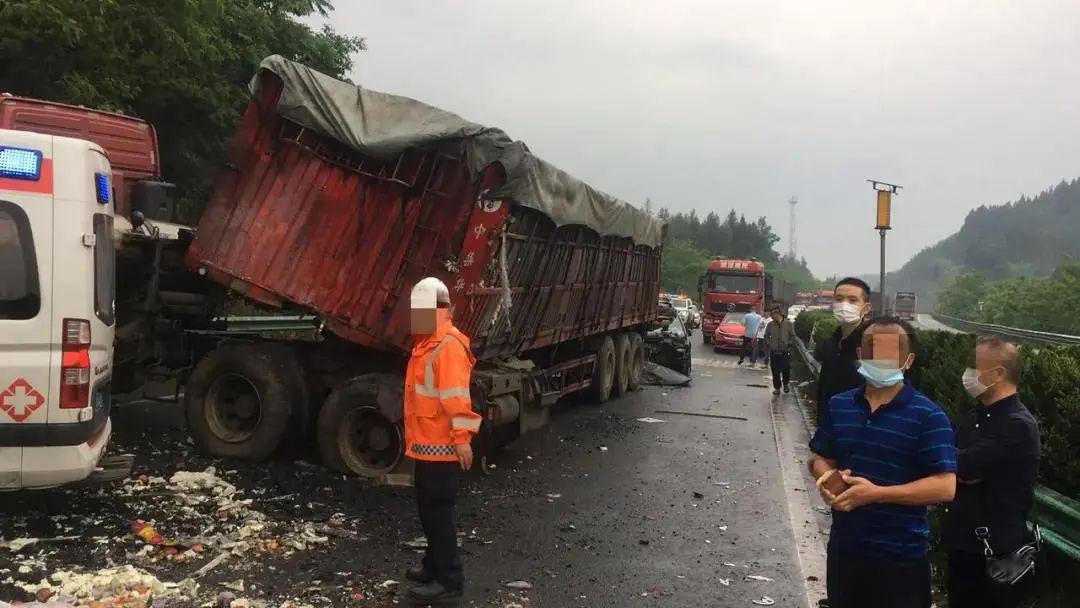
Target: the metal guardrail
(1003, 331)
(1057, 515)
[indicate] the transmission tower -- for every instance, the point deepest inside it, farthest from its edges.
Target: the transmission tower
(791, 227)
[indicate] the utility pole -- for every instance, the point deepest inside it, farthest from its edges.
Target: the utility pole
(884, 224)
(791, 221)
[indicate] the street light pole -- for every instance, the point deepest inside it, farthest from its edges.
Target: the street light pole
(885, 191)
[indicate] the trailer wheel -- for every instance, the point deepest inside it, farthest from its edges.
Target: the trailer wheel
(621, 383)
(637, 362)
(604, 371)
(240, 398)
(354, 435)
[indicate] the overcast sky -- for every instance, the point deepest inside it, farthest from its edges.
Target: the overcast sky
(711, 105)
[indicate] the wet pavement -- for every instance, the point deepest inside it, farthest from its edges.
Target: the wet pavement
(599, 509)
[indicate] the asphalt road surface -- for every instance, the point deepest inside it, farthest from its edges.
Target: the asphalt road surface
(927, 322)
(599, 509)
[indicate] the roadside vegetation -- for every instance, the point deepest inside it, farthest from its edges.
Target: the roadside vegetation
(182, 66)
(1038, 303)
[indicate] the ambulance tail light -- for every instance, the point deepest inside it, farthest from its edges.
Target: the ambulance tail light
(75, 365)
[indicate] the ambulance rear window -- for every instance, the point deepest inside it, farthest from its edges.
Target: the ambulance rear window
(20, 297)
(104, 269)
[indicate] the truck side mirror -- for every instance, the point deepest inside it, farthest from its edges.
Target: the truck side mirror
(151, 199)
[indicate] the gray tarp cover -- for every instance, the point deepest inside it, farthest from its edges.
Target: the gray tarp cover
(382, 126)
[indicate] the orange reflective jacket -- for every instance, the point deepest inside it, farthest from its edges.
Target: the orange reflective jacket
(438, 408)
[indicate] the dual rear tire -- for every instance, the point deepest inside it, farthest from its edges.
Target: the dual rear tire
(620, 366)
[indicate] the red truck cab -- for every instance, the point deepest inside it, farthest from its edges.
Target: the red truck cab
(730, 286)
(130, 143)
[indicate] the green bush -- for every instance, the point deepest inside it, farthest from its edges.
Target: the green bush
(1050, 388)
(825, 327)
(807, 319)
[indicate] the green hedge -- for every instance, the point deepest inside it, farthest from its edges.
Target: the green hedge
(1050, 389)
(807, 319)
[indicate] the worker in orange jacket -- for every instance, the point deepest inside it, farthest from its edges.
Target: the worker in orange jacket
(439, 426)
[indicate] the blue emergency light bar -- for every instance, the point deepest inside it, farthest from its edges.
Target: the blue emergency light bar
(20, 163)
(101, 182)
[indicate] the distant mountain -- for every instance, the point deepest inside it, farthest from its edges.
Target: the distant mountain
(1028, 237)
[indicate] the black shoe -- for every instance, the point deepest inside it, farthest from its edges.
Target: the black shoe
(434, 593)
(787, 389)
(417, 574)
(776, 391)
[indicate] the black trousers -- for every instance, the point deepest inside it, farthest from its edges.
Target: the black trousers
(436, 498)
(857, 581)
(969, 588)
(780, 363)
(748, 350)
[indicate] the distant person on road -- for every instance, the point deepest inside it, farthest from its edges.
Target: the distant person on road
(761, 347)
(750, 326)
(998, 451)
(837, 353)
(439, 426)
(884, 454)
(778, 339)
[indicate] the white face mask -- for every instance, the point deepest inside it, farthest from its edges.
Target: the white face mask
(847, 313)
(972, 384)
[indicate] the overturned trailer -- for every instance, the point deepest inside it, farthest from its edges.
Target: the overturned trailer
(336, 200)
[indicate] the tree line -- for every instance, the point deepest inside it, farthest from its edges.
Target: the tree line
(692, 242)
(1038, 303)
(182, 66)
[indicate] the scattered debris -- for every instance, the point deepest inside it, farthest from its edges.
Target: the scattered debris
(519, 585)
(759, 578)
(765, 601)
(698, 495)
(603, 448)
(650, 420)
(725, 582)
(658, 375)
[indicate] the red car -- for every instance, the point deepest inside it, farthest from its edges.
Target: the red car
(729, 333)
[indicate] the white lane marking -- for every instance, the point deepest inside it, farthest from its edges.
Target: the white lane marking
(792, 437)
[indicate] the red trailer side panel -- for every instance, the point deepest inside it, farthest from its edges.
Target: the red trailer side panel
(304, 220)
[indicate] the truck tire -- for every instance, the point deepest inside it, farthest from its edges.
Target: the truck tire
(355, 437)
(621, 384)
(604, 371)
(637, 362)
(239, 400)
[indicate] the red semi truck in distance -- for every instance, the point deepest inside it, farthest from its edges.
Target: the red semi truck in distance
(334, 202)
(730, 286)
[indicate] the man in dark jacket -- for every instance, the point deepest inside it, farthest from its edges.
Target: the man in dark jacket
(838, 353)
(997, 463)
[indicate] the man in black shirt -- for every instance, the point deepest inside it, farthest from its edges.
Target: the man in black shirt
(838, 353)
(997, 463)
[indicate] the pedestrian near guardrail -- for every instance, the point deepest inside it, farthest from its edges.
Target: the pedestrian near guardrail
(750, 326)
(884, 454)
(779, 338)
(998, 451)
(838, 353)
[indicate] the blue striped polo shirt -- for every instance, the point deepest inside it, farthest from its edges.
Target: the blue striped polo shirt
(904, 440)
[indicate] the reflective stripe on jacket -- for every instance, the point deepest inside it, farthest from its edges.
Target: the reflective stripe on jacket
(438, 408)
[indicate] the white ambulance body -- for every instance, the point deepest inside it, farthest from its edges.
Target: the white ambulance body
(57, 314)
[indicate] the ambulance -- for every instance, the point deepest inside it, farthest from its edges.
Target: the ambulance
(57, 313)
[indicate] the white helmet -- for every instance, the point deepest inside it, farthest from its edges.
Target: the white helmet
(428, 293)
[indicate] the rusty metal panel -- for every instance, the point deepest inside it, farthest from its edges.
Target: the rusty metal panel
(302, 221)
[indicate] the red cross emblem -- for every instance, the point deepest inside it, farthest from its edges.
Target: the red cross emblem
(20, 400)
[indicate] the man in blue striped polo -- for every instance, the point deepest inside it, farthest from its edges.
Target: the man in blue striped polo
(884, 454)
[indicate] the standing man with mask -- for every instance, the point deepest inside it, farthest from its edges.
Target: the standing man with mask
(749, 339)
(883, 455)
(998, 451)
(837, 353)
(439, 426)
(778, 338)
